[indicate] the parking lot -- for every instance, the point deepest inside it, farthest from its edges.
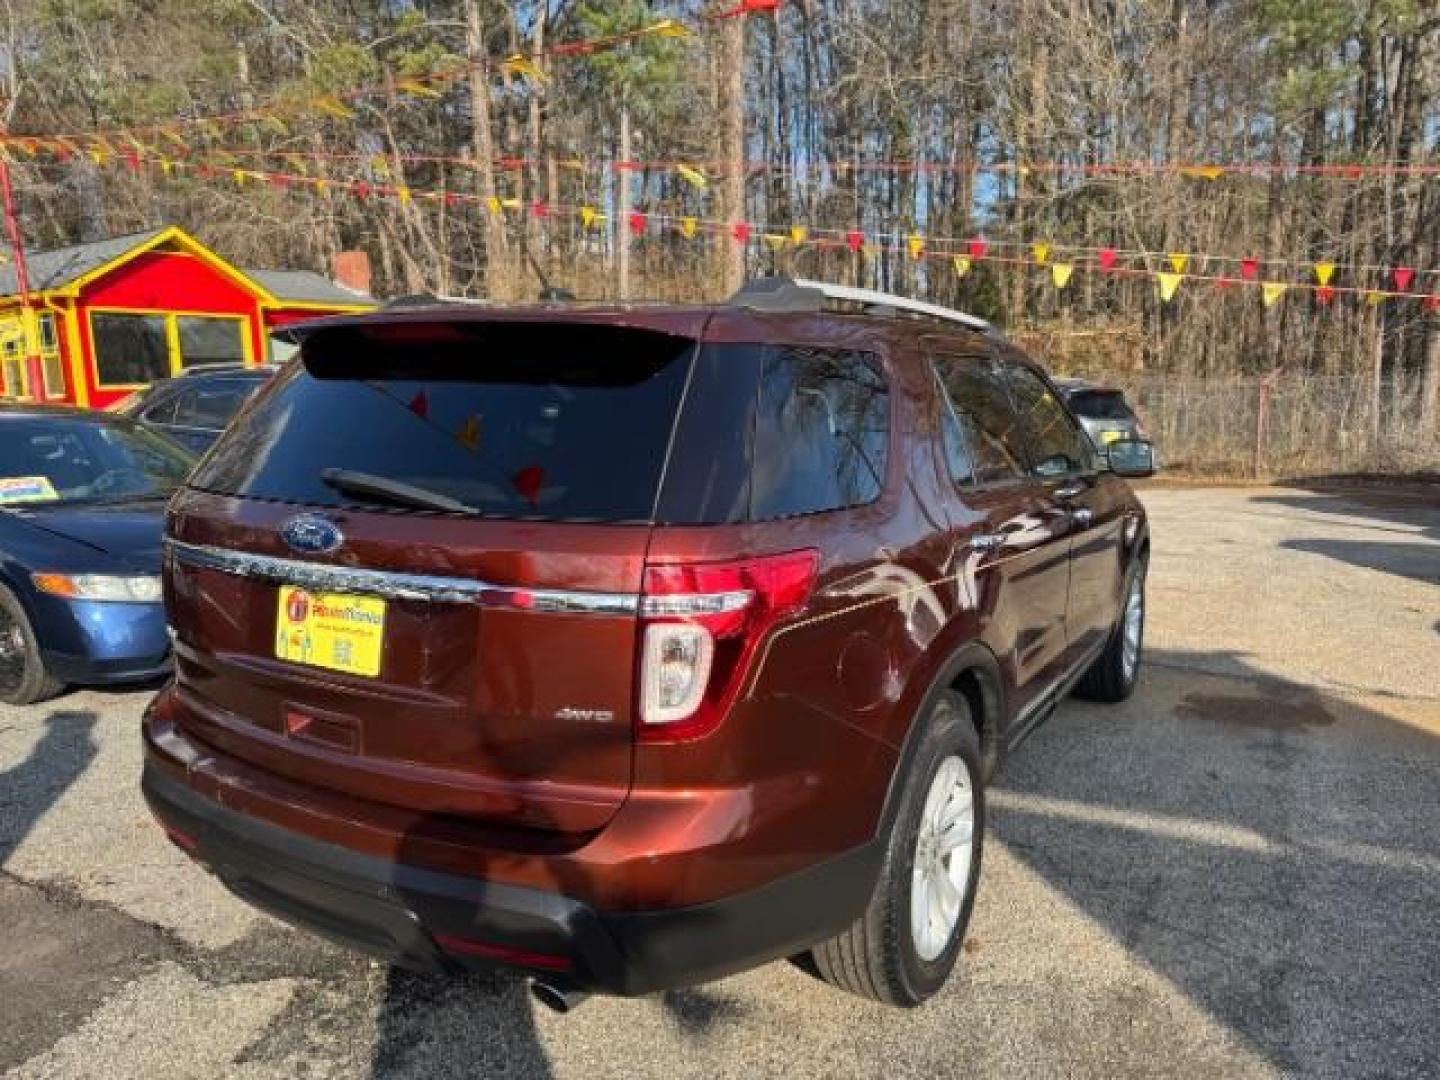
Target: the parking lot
(1237, 872)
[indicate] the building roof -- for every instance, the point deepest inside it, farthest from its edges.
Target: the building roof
(305, 286)
(55, 269)
(58, 268)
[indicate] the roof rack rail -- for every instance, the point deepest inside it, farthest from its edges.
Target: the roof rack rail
(801, 294)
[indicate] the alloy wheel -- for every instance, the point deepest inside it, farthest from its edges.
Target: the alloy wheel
(944, 850)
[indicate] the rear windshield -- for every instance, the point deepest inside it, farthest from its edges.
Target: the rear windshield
(1100, 405)
(537, 421)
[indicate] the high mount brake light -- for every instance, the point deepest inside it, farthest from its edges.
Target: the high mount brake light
(701, 623)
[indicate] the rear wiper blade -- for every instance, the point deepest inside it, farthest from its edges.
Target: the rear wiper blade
(392, 491)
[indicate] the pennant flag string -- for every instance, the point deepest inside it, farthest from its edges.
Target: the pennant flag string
(915, 245)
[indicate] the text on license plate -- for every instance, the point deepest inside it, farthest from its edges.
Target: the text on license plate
(330, 630)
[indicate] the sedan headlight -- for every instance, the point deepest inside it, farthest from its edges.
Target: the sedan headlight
(141, 588)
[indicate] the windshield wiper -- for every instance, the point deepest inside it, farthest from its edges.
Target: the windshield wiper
(397, 492)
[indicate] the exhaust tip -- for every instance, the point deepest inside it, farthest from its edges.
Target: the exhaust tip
(558, 999)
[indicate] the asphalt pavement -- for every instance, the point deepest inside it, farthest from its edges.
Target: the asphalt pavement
(1235, 873)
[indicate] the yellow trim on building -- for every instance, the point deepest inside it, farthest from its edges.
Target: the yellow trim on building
(174, 356)
(79, 377)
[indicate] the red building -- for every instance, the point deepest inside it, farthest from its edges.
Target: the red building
(114, 315)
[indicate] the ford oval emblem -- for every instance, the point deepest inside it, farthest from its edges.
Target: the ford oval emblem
(311, 534)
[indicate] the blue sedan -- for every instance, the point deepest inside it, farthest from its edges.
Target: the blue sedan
(82, 508)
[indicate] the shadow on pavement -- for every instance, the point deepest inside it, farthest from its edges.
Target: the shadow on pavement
(1396, 512)
(28, 790)
(1271, 851)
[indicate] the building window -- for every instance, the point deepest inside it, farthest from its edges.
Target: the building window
(211, 340)
(51, 367)
(129, 349)
(49, 342)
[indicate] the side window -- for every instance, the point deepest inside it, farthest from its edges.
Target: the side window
(209, 406)
(1057, 445)
(162, 411)
(822, 427)
(984, 417)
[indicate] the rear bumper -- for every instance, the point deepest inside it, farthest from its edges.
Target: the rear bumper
(433, 921)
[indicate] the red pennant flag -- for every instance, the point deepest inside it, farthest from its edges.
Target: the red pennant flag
(420, 405)
(1403, 276)
(1249, 268)
(278, 179)
(1225, 282)
(450, 198)
(205, 172)
(539, 208)
(748, 7)
(977, 249)
(637, 221)
(528, 482)
(741, 232)
(1324, 294)
(1432, 302)
(360, 189)
(1353, 172)
(1107, 258)
(853, 240)
(131, 159)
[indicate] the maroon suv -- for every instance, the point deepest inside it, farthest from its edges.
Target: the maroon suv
(634, 646)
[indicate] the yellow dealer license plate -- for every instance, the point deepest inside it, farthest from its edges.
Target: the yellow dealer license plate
(1107, 437)
(330, 630)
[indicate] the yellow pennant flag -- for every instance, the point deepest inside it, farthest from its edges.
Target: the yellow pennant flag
(1374, 296)
(167, 166)
(1204, 172)
(798, 233)
(669, 28)
(239, 176)
(469, 435)
(961, 264)
(1060, 274)
(1178, 261)
(693, 177)
(98, 156)
(688, 225)
(1041, 253)
(1270, 291)
(333, 106)
(416, 87)
(776, 241)
(322, 186)
(916, 244)
(381, 165)
(1324, 271)
(587, 216)
(403, 194)
(492, 203)
(519, 64)
(1168, 284)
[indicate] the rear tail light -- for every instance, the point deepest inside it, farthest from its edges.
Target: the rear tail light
(701, 625)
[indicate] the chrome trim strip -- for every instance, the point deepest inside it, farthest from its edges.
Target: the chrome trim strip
(398, 586)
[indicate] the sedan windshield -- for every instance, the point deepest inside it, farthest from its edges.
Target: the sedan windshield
(63, 459)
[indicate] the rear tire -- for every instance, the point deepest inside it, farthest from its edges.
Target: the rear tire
(23, 678)
(928, 878)
(1113, 676)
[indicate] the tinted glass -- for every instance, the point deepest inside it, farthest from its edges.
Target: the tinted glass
(1099, 405)
(822, 427)
(542, 421)
(210, 406)
(1058, 446)
(707, 479)
(160, 410)
(986, 415)
(954, 440)
(210, 340)
(72, 460)
(130, 349)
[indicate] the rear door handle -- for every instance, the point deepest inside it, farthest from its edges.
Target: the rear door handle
(1070, 491)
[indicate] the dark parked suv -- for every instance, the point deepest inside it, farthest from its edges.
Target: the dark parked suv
(634, 646)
